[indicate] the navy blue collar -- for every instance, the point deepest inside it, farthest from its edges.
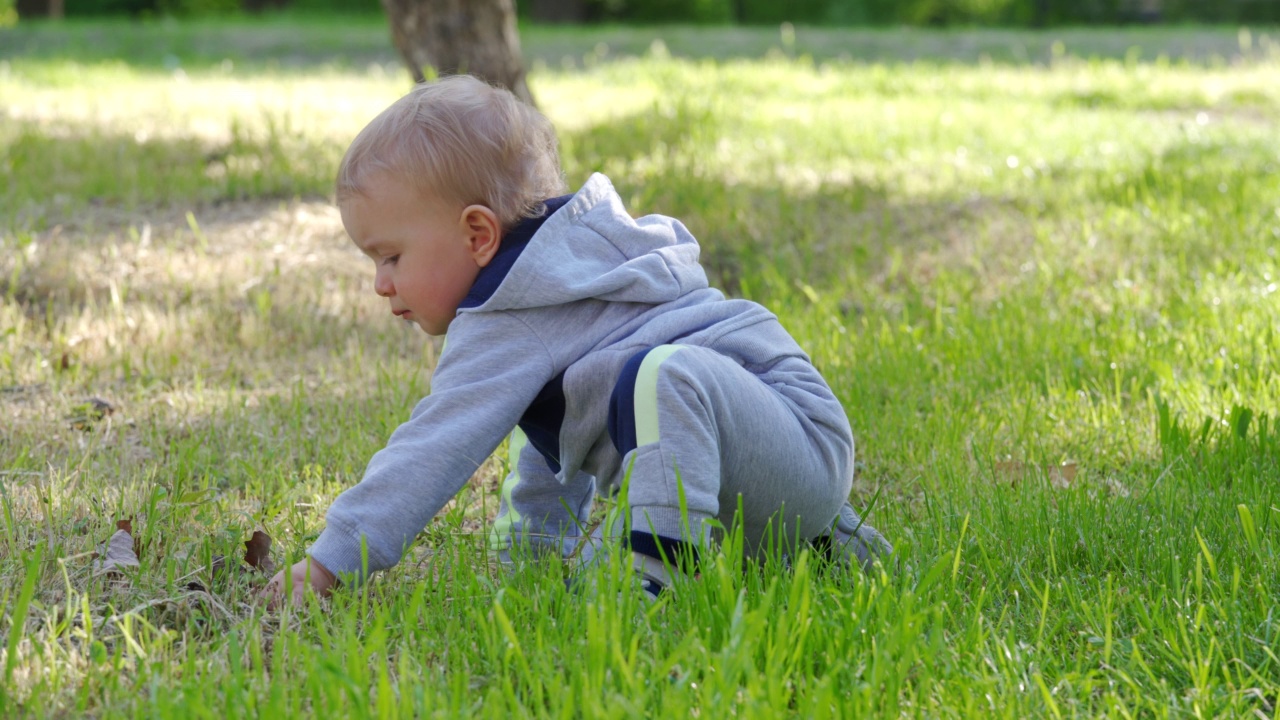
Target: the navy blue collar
(513, 243)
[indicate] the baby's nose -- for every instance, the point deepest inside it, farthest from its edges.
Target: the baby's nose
(383, 286)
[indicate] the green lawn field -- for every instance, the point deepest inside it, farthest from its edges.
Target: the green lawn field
(1039, 270)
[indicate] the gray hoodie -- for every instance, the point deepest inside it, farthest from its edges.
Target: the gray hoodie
(542, 346)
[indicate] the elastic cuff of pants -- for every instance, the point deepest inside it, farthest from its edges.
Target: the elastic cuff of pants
(668, 522)
(677, 553)
(657, 531)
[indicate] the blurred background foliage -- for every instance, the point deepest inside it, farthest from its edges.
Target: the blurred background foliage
(1015, 13)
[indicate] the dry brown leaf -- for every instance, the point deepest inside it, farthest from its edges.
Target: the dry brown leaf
(119, 552)
(84, 415)
(1010, 470)
(257, 552)
(257, 556)
(127, 526)
(99, 408)
(221, 571)
(1059, 476)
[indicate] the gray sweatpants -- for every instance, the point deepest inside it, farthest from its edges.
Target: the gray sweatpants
(687, 417)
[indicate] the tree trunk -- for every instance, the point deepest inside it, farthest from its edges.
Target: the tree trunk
(557, 11)
(476, 37)
(1040, 13)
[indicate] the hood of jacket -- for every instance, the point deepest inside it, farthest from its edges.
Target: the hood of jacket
(592, 248)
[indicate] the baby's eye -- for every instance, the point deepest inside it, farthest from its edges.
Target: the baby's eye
(391, 260)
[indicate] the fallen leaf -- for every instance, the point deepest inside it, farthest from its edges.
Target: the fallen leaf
(119, 552)
(1010, 470)
(84, 415)
(99, 408)
(223, 572)
(1059, 476)
(257, 557)
(127, 526)
(257, 552)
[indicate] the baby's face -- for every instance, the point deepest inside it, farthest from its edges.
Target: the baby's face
(422, 249)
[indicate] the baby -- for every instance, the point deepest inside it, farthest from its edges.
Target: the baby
(593, 340)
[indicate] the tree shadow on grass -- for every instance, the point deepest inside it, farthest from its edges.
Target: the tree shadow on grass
(56, 173)
(100, 181)
(816, 231)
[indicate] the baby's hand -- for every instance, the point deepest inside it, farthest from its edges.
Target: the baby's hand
(304, 575)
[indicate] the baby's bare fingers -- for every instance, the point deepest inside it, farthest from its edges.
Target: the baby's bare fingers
(270, 594)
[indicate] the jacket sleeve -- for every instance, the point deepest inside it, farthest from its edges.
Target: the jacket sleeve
(493, 366)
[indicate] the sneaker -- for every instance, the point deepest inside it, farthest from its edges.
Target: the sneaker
(851, 540)
(653, 576)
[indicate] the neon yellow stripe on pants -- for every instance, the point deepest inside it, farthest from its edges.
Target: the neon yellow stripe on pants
(500, 535)
(646, 394)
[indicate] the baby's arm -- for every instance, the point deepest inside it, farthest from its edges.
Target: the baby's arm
(490, 372)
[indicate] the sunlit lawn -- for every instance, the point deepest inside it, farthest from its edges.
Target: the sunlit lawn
(1045, 288)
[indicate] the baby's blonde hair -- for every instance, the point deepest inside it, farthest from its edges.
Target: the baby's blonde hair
(460, 139)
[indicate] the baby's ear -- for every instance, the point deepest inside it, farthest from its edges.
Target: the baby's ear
(483, 232)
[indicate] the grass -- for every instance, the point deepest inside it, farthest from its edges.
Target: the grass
(1001, 267)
